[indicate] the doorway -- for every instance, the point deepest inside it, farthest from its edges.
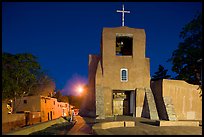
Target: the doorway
(50, 115)
(124, 102)
(27, 117)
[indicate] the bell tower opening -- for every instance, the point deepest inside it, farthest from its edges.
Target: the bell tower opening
(124, 44)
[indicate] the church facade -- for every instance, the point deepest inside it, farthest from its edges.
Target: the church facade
(119, 77)
(119, 82)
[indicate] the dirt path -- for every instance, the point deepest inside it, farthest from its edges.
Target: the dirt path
(80, 127)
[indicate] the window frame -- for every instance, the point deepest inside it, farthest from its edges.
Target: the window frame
(121, 78)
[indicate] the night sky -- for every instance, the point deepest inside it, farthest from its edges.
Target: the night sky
(62, 34)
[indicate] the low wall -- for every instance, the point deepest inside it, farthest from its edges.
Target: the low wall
(106, 125)
(15, 121)
(18, 120)
(184, 97)
(100, 128)
(7, 118)
(12, 122)
(35, 117)
(179, 123)
(37, 127)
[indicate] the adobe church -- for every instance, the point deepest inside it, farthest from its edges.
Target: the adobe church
(119, 80)
(120, 75)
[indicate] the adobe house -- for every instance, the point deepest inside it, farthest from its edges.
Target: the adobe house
(48, 107)
(31, 110)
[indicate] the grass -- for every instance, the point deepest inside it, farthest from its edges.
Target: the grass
(57, 129)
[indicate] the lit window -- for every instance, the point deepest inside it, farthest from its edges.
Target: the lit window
(124, 75)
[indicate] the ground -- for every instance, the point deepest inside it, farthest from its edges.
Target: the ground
(82, 126)
(151, 130)
(149, 127)
(77, 127)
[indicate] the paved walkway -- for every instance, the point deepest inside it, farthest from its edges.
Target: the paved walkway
(147, 127)
(80, 127)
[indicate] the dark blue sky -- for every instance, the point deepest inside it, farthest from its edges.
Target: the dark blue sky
(63, 34)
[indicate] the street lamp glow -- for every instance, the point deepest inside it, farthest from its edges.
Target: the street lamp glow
(80, 89)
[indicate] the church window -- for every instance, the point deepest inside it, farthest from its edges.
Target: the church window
(124, 75)
(124, 44)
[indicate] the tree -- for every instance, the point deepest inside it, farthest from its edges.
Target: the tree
(60, 98)
(44, 86)
(75, 100)
(18, 72)
(160, 74)
(185, 58)
(22, 75)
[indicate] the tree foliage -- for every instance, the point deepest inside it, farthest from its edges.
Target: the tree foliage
(18, 72)
(60, 98)
(44, 86)
(21, 75)
(185, 57)
(75, 100)
(160, 74)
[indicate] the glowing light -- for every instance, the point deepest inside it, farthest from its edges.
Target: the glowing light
(80, 89)
(75, 86)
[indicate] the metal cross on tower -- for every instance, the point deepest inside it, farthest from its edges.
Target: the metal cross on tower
(123, 15)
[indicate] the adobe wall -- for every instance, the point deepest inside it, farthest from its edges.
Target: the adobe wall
(11, 121)
(107, 76)
(140, 96)
(6, 117)
(38, 112)
(54, 106)
(156, 87)
(44, 105)
(90, 95)
(88, 107)
(185, 98)
(137, 64)
(33, 104)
